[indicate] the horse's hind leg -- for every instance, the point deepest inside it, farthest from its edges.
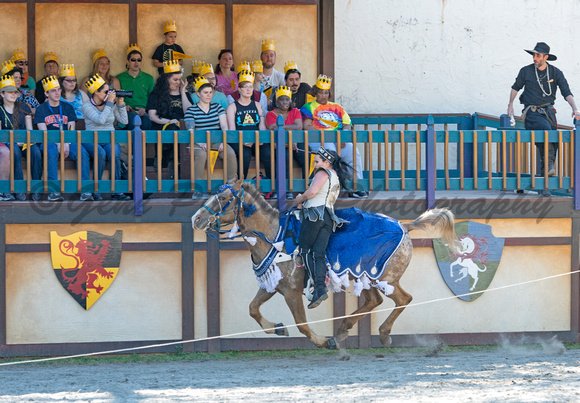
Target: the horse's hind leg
(372, 299)
(401, 299)
(261, 297)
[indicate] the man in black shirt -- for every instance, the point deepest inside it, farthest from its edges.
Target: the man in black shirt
(299, 89)
(540, 81)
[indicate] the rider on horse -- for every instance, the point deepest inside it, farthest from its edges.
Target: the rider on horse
(318, 218)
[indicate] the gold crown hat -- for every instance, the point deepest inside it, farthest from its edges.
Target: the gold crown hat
(195, 66)
(7, 67)
(169, 26)
(323, 82)
(257, 66)
(94, 83)
(50, 57)
(49, 83)
(98, 53)
(67, 70)
(17, 54)
(205, 68)
(133, 48)
(7, 84)
(290, 65)
(245, 65)
(268, 44)
(246, 75)
(199, 81)
(171, 66)
(283, 91)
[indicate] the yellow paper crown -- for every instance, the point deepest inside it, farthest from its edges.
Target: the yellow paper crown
(17, 54)
(49, 83)
(169, 26)
(171, 66)
(246, 75)
(98, 53)
(205, 68)
(244, 66)
(7, 66)
(257, 66)
(196, 66)
(283, 90)
(323, 82)
(50, 56)
(290, 65)
(199, 81)
(268, 44)
(67, 70)
(7, 81)
(133, 47)
(94, 83)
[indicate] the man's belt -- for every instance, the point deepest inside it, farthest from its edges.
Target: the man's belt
(539, 109)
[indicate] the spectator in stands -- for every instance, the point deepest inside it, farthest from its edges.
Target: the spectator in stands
(227, 81)
(102, 67)
(247, 114)
(53, 115)
(50, 69)
(300, 91)
(71, 94)
(272, 77)
(100, 112)
(10, 69)
(208, 115)
(164, 52)
(256, 96)
(195, 69)
(321, 114)
(206, 71)
(141, 83)
(14, 115)
(292, 121)
(28, 82)
(258, 69)
(165, 107)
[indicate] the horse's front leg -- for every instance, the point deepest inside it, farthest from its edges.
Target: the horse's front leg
(372, 299)
(294, 301)
(261, 297)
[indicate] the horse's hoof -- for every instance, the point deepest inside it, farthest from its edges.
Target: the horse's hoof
(386, 341)
(331, 344)
(280, 330)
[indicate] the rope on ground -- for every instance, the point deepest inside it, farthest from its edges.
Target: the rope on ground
(125, 350)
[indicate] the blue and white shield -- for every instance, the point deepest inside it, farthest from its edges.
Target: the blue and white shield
(469, 271)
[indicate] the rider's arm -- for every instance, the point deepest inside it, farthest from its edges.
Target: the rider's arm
(314, 188)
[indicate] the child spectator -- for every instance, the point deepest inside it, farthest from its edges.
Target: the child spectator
(164, 52)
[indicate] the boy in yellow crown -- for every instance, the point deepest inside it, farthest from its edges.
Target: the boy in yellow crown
(163, 53)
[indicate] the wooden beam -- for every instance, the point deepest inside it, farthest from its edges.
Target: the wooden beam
(326, 37)
(187, 288)
(31, 36)
(229, 25)
(213, 294)
(133, 38)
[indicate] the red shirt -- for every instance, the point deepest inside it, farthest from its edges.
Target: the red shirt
(293, 114)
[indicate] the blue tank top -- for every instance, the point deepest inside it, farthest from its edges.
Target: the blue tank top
(76, 104)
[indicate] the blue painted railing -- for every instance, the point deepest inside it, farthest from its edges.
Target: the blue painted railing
(472, 135)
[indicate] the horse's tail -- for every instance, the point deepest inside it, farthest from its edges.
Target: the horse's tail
(440, 221)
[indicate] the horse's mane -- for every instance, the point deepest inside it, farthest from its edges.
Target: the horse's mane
(261, 203)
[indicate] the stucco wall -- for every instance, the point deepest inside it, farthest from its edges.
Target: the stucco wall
(447, 55)
(14, 34)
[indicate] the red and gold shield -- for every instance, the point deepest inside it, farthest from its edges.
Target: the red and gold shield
(86, 263)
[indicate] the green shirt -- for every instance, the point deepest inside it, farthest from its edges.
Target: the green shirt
(142, 85)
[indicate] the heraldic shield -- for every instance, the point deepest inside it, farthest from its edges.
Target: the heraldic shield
(472, 268)
(86, 263)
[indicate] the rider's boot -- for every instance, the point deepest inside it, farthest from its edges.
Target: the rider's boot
(319, 284)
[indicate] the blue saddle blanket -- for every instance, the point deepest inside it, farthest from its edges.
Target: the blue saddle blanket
(364, 245)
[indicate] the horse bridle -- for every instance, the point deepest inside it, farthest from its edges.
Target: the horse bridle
(215, 216)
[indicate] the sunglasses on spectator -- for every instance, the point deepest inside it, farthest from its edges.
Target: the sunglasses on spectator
(22, 63)
(136, 60)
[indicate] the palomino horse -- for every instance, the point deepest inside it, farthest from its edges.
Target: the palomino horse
(240, 203)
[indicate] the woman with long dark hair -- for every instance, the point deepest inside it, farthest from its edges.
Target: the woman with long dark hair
(165, 106)
(227, 80)
(14, 115)
(318, 218)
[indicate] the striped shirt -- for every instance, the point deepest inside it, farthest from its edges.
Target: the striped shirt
(205, 121)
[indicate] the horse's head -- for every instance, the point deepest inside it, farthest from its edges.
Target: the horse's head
(220, 209)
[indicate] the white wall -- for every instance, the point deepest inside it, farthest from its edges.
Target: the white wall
(443, 56)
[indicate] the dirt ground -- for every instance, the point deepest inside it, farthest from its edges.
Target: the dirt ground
(517, 374)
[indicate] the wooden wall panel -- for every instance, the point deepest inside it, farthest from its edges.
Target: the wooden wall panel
(14, 34)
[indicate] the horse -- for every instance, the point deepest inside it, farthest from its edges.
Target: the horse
(241, 204)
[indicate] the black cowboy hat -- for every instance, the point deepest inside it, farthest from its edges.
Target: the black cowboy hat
(543, 48)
